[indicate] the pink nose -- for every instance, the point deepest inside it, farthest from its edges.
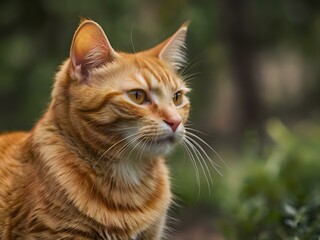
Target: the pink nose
(173, 123)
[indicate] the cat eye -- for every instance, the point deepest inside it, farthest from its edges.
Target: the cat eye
(177, 98)
(138, 96)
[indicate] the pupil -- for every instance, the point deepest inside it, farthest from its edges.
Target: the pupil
(137, 94)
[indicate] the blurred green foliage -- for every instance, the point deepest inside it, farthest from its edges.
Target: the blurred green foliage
(276, 196)
(273, 195)
(271, 190)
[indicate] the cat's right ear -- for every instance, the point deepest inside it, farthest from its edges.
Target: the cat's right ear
(90, 49)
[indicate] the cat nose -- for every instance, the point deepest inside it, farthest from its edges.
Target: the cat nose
(173, 123)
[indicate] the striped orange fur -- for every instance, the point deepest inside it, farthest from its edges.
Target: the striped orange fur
(93, 167)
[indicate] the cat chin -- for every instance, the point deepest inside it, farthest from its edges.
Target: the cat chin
(161, 149)
(161, 146)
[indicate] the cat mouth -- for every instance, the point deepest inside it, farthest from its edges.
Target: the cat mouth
(162, 144)
(167, 139)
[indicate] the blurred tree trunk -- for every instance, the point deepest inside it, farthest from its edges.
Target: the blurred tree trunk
(239, 34)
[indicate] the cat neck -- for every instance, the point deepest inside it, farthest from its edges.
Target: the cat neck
(101, 196)
(129, 169)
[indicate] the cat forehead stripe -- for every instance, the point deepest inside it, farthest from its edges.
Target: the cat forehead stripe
(141, 79)
(155, 75)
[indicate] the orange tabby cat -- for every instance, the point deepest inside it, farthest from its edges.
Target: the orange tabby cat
(93, 166)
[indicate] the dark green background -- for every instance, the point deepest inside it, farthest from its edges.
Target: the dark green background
(255, 73)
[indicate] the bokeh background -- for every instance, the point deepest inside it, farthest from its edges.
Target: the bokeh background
(255, 73)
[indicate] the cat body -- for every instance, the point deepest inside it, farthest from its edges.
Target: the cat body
(93, 166)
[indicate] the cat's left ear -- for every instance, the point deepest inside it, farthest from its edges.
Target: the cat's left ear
(90, 49)
(172, 50)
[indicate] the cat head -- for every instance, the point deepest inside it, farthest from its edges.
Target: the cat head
(113, 98)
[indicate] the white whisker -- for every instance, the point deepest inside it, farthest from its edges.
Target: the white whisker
(198, 131)
(200, 155)
(213, 164)
(197, 153)
(203, 151)
(204, 142)
(194, 165)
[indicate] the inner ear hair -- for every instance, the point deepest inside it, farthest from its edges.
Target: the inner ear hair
(90, 49)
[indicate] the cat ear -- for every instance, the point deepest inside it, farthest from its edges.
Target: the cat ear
(90, 49)
(173, 49)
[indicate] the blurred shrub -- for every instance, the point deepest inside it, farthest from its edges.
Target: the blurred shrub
(273, 197)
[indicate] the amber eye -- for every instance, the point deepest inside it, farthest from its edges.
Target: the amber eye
(138, 96)
(177, 98)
